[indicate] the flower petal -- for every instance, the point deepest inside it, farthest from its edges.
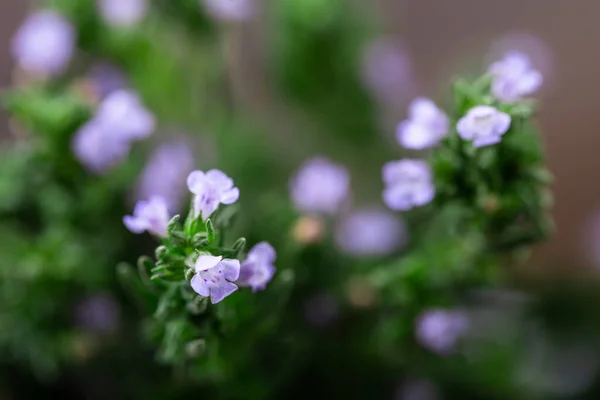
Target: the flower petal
(230, 196)
(196, 182)
(218, 293)
(200, 286)
(263, 252)
(135, 225)
(219, 179)
(206, 262)
(230, 268)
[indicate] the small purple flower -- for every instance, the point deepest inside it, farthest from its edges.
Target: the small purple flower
(514, 77)
(230, 10)
(484, 125)
(123, 113)
(211, 189)
(439, 330)
(165, 174)
(370, 232)
(320, 186)
(387, 71)
(425, 127)
(124, 13)
(409, 183)
(257, 269)
(97, 149)
(44, 44)
(105, 140)
(214, 277)
(105, 79)
(98, 313)
(151, 216)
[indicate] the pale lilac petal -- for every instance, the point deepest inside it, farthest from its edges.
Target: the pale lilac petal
(263, 252)
(196, 182)
(230, 196)
(230, 269)
(219, 179)
(206, 262)
(205, 206)
(218, 293)
(464, 129)
(122, 12)
(422, 110)
(200, 286)
(135, 225)
(397, 199)
(424, 195)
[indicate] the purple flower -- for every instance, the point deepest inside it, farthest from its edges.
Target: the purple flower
(514, 77)
(122, 12)
(123, 113)
(439, 330)
(97, 149)
(151, 216)
(105, 79)
(370, 232)
(44, 44)
(230, 10)
(320, 186)
(105, 140)
(484, 125)
(98, 313)
(211, 189)
(257, 269)
(214, 277)
(425, 127)
(409, 183)
(165, 174)
(387, 71)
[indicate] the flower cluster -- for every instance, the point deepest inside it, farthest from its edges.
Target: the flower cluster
(440, 330)
(105, 140)
(210, 275)
(122, 13)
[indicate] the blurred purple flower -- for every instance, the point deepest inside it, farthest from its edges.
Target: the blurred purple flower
(106, 79)
(425, 127)
(211, 189)
(97, 149)
(98, 313)
(539, 52)
(387, 71)
(122, 12)
(370, 232)
(151, 215)
(514, 77)
(165, 174)
(321, 309)
(44, 44)
(104, 141)
(484, 125)
(122, 112)
(214, 277)
(320, 186)
(409, 183)
(257, 269)
(439, 330)
(230, 10)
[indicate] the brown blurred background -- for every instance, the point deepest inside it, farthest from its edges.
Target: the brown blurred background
(441, 33)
